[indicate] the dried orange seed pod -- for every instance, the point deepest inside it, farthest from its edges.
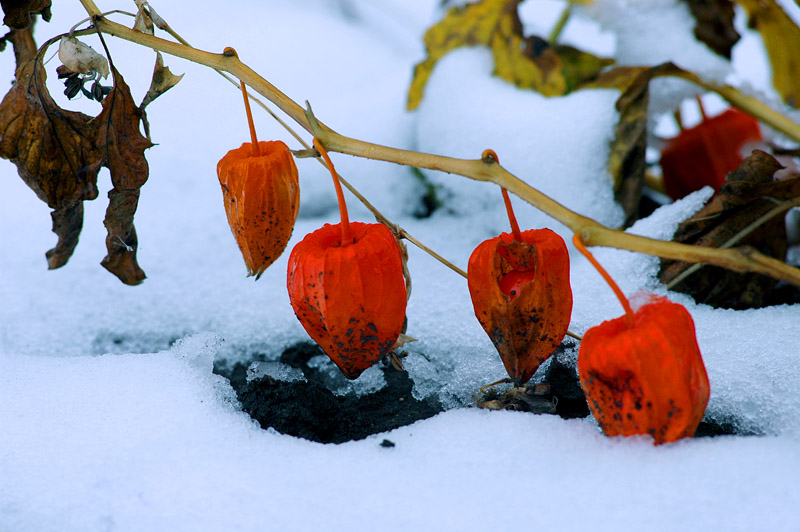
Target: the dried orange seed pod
(522, 297)
(347, 287)
(645, 377)
(705, 154)
(642, 373)
(350, 297)
(262, 197)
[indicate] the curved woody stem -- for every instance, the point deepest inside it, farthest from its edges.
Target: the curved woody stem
(591, 232)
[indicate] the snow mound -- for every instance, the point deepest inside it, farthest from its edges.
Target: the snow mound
(544, 141)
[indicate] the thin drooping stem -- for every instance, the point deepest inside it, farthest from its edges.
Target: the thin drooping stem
(490, 157)
(253, 137)
(678, 116)
(702, 108)
(631, 319)
(250, 123)
(346, 237)
(555, 33)
(511, 218)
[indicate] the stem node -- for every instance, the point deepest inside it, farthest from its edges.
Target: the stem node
(489, 157)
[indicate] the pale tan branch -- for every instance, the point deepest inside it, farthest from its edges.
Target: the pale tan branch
(592, 233)
(230, 63)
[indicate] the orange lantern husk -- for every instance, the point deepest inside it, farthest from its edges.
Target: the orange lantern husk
(519, 285)
(351, 299)
(521, 296)
(705, 154)
(642, 373)
(262, 196)
(347, 288)
(261, 191)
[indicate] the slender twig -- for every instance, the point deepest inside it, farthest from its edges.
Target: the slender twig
(630, 317)
(592, 233)
(496, 383)
(555, 33)
(71, 31)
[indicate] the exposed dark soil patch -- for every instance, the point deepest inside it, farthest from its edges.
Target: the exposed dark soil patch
(310, 410)
(566, 388)
(559, 392)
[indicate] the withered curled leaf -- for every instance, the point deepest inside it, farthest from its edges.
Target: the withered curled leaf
(626, 162)
(24, 45)
(163, 80)
(58, 153)
(54, 151)
(123, 145)
(714, 24)
(749, 193)
(529, 63)
(18, 13)
(143, 22)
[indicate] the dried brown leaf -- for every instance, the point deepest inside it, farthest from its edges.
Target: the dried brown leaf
(714, 24)
(54, 151)
(163, 80)
(124, 145)
(59, 153)
(19, 13)
(626, 162)
(143, 22)
(67, 225)
(24, 45)
(749, 193)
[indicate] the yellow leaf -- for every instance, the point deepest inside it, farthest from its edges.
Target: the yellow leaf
(529, 63)
(782, 41)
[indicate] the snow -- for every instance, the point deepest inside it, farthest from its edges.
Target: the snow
(112, 419)
(655, 32)
(457, 118)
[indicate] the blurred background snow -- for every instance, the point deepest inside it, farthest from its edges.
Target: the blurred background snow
(110, 417)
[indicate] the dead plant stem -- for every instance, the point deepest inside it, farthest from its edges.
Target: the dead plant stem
(591, 232)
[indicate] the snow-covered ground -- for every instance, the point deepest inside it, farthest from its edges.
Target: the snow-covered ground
(111, 418)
